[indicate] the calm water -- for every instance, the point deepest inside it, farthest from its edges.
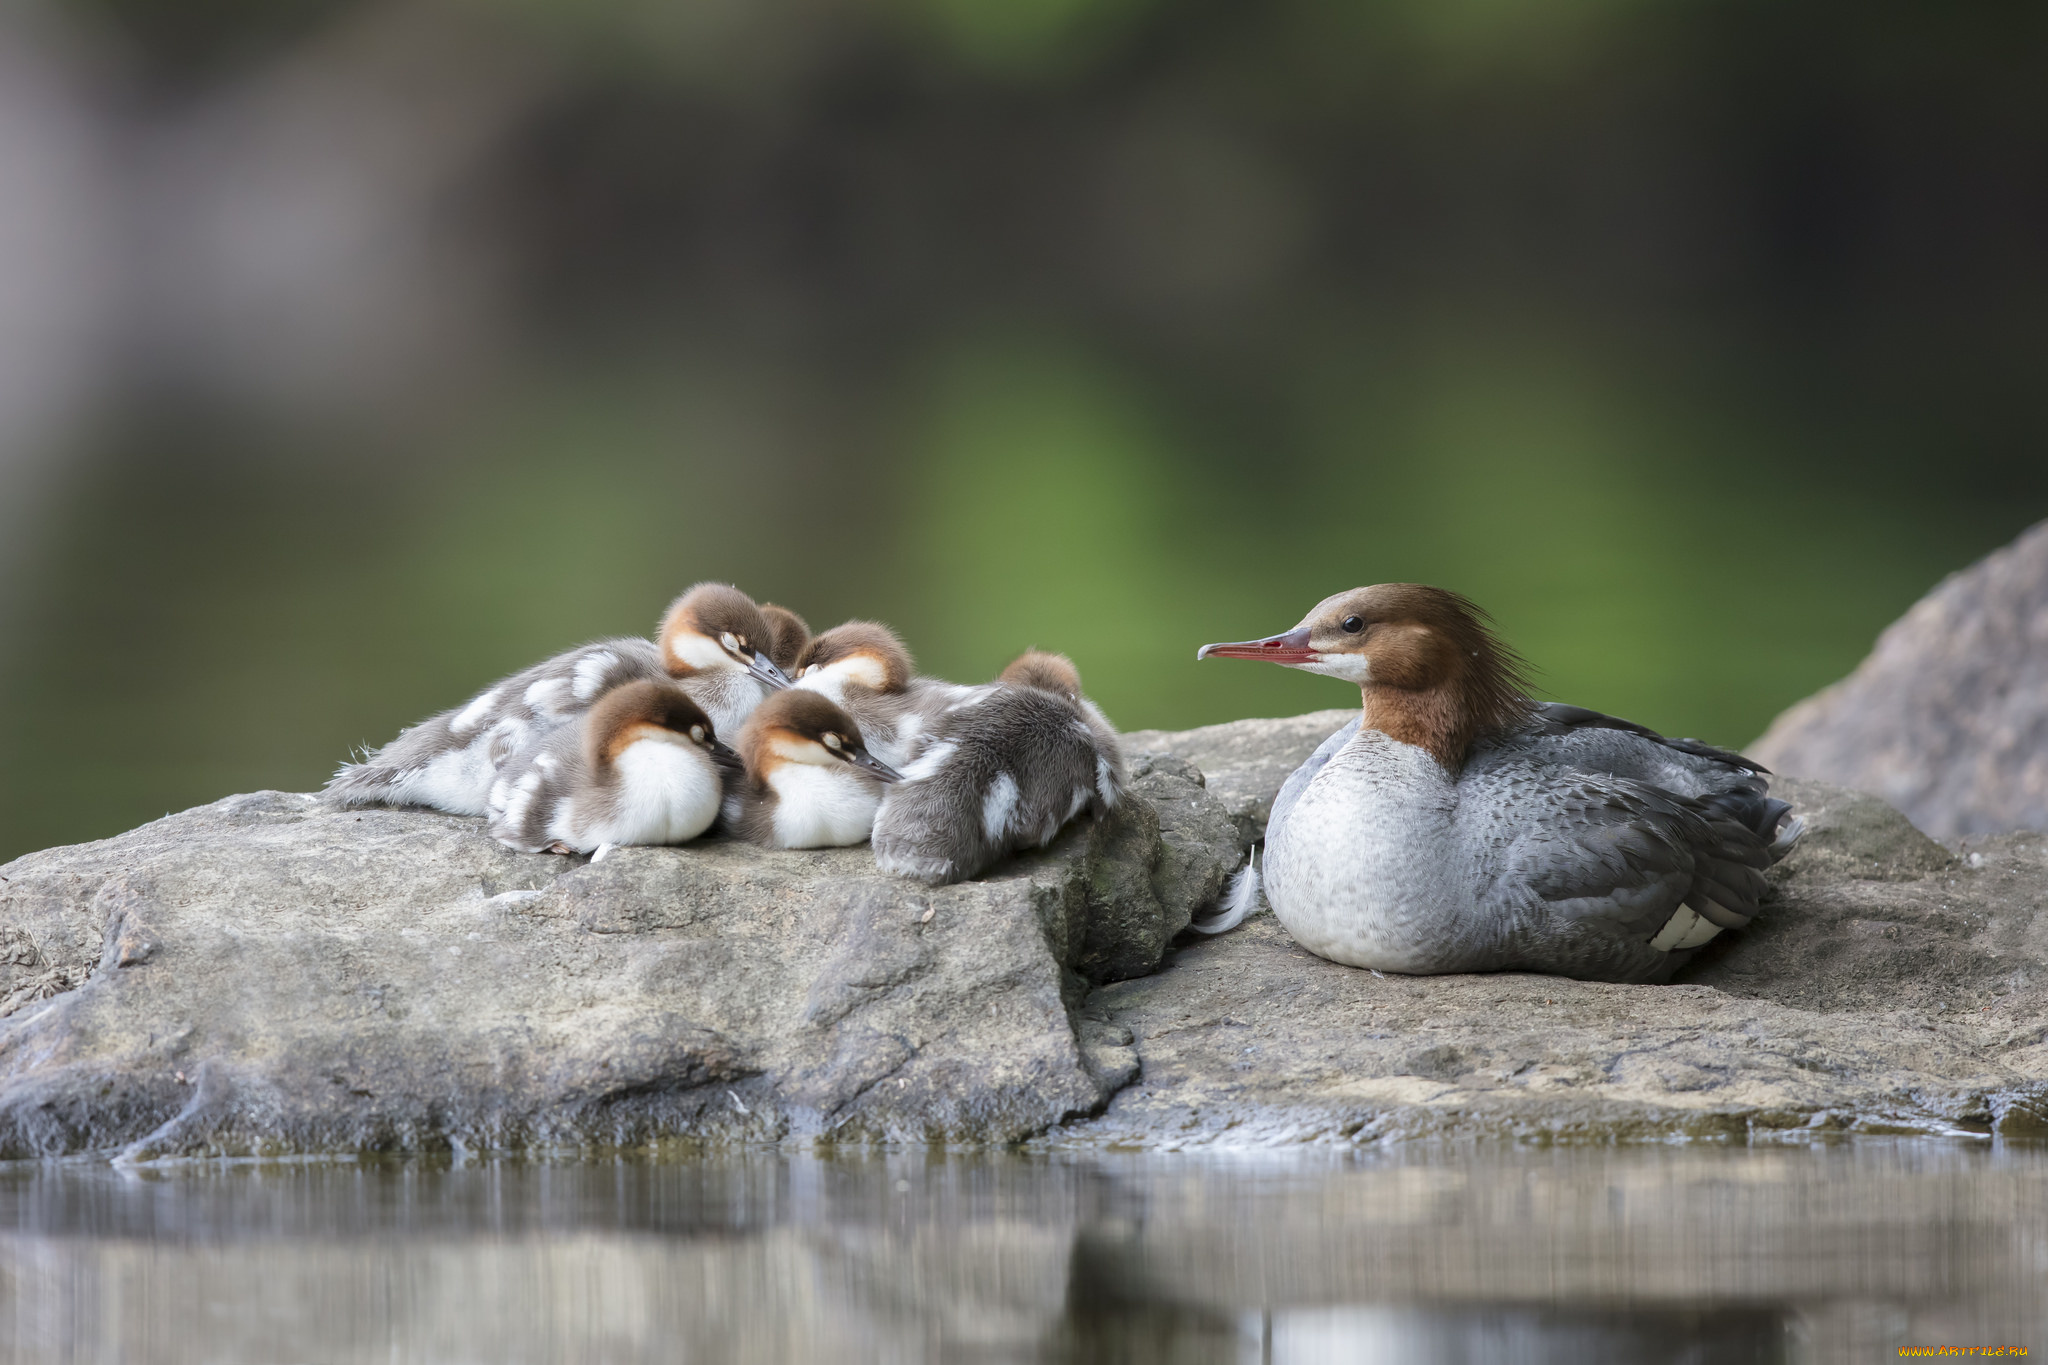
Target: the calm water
(1517, 1255)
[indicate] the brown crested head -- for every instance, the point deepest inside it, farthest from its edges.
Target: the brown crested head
(866, 653)
(641, 710)
(788, 633)
(715, 625)
(799, 726)
(1048, 672)
(1431, 670)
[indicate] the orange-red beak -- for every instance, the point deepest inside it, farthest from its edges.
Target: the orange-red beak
(1288, 648)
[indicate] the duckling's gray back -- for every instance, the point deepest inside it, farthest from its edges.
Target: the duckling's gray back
(449, 761)
(535, 786)
(1003, 770)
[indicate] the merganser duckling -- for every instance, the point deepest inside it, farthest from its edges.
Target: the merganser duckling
(644, 767)
(810, 781)
(788, 633)
(1055, 673)
(1458, 826)
(712, 643)
(1006, 767)
(715, 643)
(864, 668)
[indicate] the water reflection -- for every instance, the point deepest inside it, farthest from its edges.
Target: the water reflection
(1700, 1256)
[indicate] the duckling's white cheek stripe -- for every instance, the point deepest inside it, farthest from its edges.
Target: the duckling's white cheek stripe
(591, 671)
(698, 652)
(864, 669)
(472, 715)
(792, 749)
(998, 806)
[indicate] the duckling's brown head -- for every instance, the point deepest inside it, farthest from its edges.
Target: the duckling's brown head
(799, 726)
(648, 709)
(857, 653)
(1426, 659)
(1053, 673)
(788, 633)
(713, 626)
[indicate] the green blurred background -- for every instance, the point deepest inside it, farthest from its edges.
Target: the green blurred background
(358, 353)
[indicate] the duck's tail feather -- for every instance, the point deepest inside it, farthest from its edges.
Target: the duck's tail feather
(1238, 902)
(1788, 835)
(361, 784)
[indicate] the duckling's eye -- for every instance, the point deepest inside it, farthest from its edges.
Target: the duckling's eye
(1352, 625)
(697, 733)
(808, 670)
(833, 742)
(730, 641)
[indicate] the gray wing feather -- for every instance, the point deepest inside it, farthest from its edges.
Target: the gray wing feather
(1609, 863)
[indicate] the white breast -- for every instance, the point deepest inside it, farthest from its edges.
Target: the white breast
(1365, 871)
(668, 792)
(818, 807)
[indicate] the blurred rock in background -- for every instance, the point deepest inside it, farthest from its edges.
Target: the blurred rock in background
(1948, 717)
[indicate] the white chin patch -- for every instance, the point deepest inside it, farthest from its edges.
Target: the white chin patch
(1355, 668)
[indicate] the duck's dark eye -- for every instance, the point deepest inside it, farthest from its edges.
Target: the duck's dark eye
(1352, 625)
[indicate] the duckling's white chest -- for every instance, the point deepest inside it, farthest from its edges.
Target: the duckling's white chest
(666, 793)
(1366, 869)
(820, 807)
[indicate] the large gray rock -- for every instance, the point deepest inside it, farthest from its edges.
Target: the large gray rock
(1948, 717)
(1895, 986)
(270, 975)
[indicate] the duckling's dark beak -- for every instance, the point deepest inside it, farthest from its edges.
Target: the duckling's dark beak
(764, 669)
(880, 770)
(725, 756)
(1290, 647)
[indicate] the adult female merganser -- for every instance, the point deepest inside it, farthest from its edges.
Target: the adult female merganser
(788, 633)
(810, 782)
(1458, 826)
(644, 767)
(1005, 767)
(712, 643)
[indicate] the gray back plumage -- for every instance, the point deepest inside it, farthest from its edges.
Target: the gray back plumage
(458, 753)
(1002, 770)
(449, 761)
